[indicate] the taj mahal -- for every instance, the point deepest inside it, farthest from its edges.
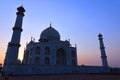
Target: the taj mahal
(50, 50)
(50, 55)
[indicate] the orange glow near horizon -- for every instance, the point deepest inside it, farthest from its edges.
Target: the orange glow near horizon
(82, 58)
(2, 54)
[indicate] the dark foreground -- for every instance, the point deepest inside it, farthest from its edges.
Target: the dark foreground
(65, 77)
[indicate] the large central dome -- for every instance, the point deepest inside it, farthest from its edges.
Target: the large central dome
(50, 34)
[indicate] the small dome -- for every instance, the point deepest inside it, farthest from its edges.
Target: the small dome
(50, 34)
(100, 35)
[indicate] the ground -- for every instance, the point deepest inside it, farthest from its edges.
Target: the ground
(66, 77)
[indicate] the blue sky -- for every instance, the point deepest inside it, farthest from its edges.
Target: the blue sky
(78, 20)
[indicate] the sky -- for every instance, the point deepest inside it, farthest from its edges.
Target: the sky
(78, 20)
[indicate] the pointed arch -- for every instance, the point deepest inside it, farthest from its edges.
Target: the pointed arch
(37, 60)
(73, 54)
(47, 51)
(37, 50)
(73, 62)
(27, 56)
(47, 60)
(61, 57)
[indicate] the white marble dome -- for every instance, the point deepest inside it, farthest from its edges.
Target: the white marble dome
(50, 34)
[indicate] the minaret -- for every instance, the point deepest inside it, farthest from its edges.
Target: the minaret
(14, 44)
(102, 49)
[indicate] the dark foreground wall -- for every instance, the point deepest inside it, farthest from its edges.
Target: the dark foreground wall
(37, 69)
(65, 77)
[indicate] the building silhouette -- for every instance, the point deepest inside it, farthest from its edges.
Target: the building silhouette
(49, 55)
(50, 50)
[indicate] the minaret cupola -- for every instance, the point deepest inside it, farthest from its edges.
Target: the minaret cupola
(20, 9)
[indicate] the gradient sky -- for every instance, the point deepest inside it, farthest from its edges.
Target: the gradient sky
(78, 20)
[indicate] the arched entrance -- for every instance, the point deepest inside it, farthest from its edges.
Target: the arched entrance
(61, 57)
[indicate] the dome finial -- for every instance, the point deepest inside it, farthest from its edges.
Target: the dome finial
(50, 24)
